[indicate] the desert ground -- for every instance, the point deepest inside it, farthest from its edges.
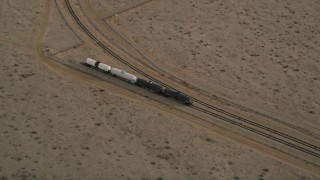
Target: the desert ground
(255, 58)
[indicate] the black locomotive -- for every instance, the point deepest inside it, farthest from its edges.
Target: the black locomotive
(164, 91)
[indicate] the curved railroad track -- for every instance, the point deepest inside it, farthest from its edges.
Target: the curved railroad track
(221, 114)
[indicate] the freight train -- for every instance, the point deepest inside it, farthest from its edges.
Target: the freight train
(180, 97)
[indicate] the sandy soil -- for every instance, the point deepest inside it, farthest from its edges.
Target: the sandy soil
(261, 55)
(57, 123)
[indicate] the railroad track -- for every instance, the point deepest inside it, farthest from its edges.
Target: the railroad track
(222, 115)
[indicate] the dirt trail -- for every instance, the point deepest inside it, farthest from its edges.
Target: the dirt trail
(37, 51)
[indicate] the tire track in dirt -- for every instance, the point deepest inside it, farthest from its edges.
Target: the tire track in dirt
(37, 51)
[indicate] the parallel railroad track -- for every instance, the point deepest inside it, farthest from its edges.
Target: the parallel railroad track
(228, 117)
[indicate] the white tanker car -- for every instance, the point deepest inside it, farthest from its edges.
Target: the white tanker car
(140, 82)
